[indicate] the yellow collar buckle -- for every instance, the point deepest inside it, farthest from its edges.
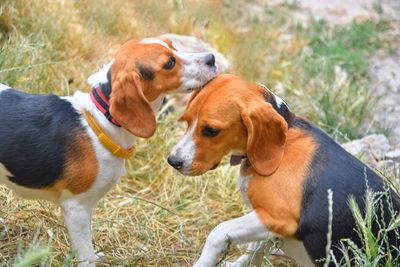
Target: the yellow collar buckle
(106, 140)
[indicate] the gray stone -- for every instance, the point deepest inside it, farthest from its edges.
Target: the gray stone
(393, 155)
(376, 144)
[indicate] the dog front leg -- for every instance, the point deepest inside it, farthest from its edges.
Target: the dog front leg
(77, 217)
(241, 230)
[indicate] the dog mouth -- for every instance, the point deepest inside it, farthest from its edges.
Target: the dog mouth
(191, 89)
(214, 69)
(236, 159)
(197, 171)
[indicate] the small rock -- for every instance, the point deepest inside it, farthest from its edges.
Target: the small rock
(371, 148)
(393, 155)
(191, 44)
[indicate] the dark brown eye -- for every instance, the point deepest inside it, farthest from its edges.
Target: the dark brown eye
(170, 64)
(210, 132)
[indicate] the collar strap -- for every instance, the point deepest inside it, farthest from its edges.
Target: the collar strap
(106, 140)
(101, 102)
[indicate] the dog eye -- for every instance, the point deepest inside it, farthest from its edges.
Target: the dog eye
(210, 132)
(170, 64)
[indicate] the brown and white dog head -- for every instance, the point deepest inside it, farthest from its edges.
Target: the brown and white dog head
(143, 71)
(230, 115)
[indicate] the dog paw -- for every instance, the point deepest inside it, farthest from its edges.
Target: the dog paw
(233, 264)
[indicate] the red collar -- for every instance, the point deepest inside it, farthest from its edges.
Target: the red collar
(102, 104)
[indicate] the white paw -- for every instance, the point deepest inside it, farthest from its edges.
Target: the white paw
(233, 264)
(86, 264)
(242, 261)
(228, 264)
(201, 263)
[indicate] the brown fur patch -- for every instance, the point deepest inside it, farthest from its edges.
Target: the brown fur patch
(138, 78)
(151, 56)
(277, 198)
(81, 166)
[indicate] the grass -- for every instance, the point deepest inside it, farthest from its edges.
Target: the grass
(338, 66)
(154, 216)
(373, 251)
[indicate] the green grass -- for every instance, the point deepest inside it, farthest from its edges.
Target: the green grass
(345, 46)
(371, 253)
(375, 249)
(337, 68)
(156, 216)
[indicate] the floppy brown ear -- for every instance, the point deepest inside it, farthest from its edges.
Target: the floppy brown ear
(129, 106)
(192, 96)
(266, 137)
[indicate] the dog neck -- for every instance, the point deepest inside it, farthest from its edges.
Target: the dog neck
(100, 96)
(120, 135)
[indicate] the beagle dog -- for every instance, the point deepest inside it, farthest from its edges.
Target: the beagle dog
(287, 168)
(71, 150)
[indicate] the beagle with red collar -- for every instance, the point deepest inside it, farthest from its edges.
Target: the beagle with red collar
(287, 167)
(71, 150)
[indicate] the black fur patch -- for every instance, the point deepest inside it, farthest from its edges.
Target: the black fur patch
(106, 87)
(146, 73)
(334, 168)
(34, 132)
(283, 110)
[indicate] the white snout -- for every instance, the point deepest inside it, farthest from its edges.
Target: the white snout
(184, 150)
(197, 70)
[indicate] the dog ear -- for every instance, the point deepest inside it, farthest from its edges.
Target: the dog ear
(167, 41)
(266, 137)
(191, 98)
(129, 106)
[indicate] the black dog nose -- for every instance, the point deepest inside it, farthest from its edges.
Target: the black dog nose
(175, 162)
(210, 60)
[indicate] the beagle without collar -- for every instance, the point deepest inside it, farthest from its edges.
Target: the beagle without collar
(288, 166)
(48, 150)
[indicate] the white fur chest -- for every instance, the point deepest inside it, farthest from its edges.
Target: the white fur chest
(111, 169)
(243, 182)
